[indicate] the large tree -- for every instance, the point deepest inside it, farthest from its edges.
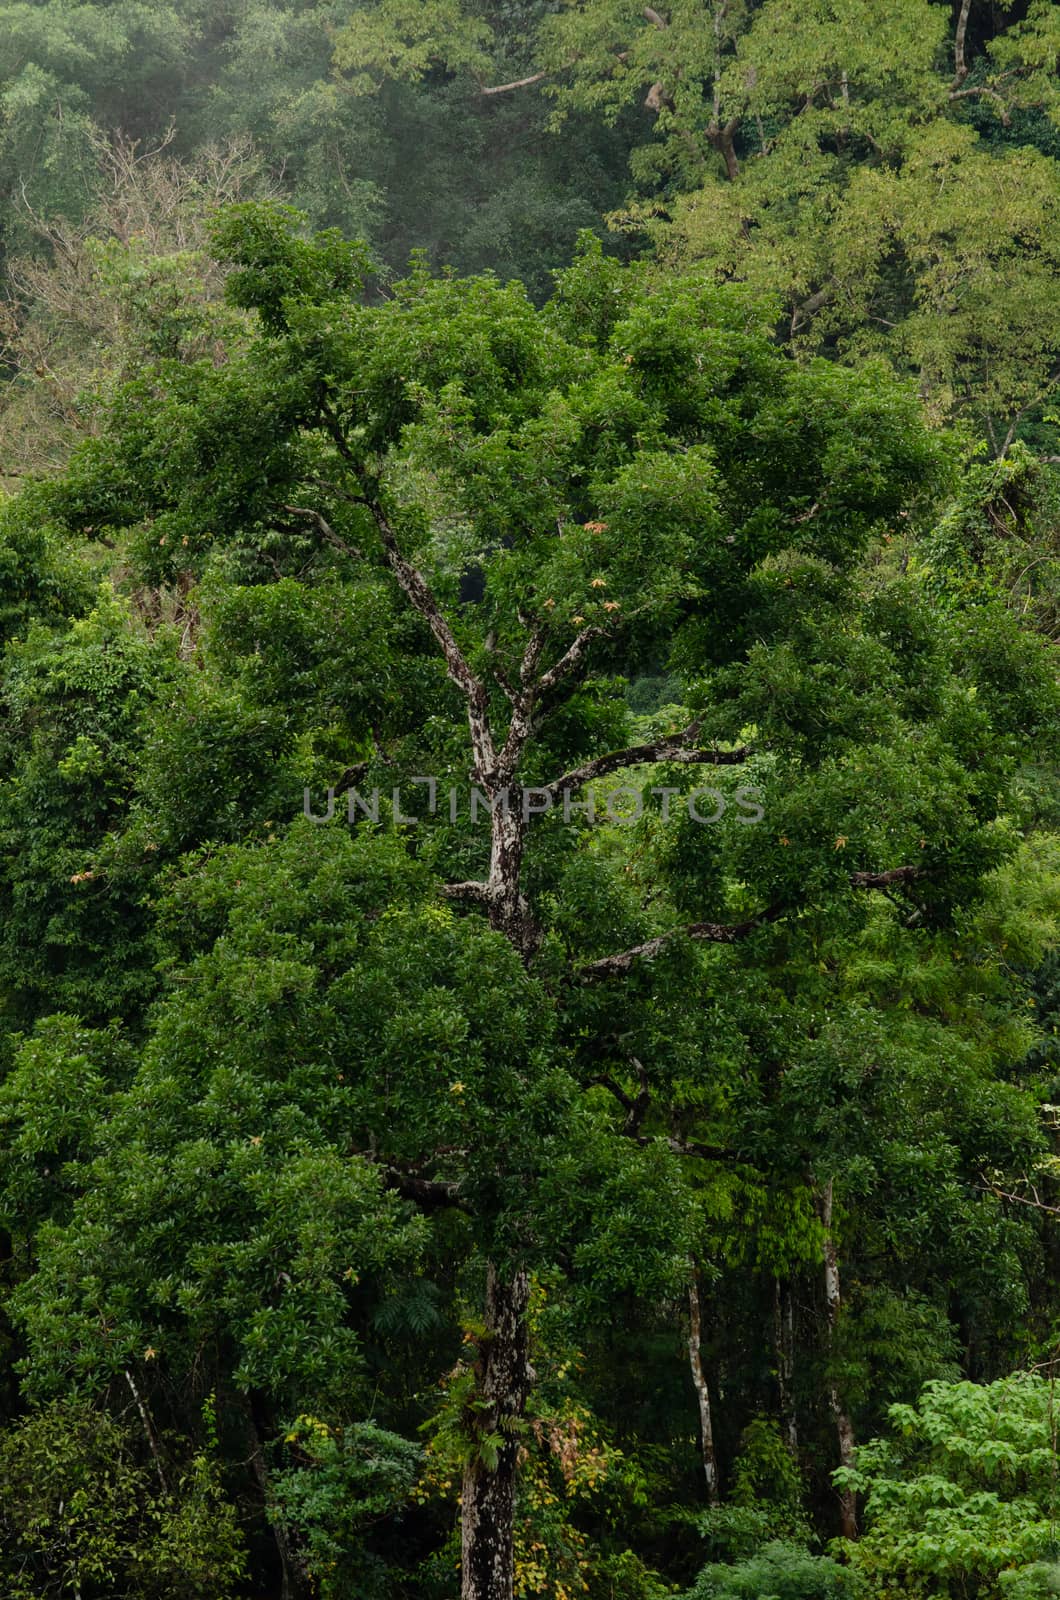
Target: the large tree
(544, 503)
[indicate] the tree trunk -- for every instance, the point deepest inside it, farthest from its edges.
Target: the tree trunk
(294, 1584)
(706, 1424)
(723, 141)
(505, 1377)
(784, 1354)
(833, 1302)
(509, 912)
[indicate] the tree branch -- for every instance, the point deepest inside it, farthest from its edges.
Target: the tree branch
(1034, 1201)
(148, 1430)
(704, 1152)
(569, 660)
(635, 1106)
(671, 748)
(722, 140)
(420, 596)
(710, 932)
(418, 592)
(326, 529)
(649, 14)
(432, 1194)
(532, 653)
(517, 83)
(471, 890)
(986, 94)
(731, 932)
(809, 307)
(883, 880)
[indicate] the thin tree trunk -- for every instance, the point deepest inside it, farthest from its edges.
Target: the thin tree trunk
(149, 1432)
(723, 140)
(293, 1582)
(833, 1303)
(960, 64)
(505, 1377)
(784, 1348)
(695, 1357)
(722, 136)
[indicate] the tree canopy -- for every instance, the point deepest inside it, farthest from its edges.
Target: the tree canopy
(529, 839)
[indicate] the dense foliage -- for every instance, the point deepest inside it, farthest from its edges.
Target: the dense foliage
(529, 834)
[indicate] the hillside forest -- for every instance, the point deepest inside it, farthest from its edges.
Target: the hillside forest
(529, 800)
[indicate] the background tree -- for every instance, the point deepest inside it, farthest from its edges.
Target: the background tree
(893, 185)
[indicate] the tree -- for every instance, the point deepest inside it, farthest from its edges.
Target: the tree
(963, 1492)
(426, 164)
(82, 1509)
(60, 88)
(546, 498)
(76, 704)
(781, 1571)
(94, 295)
(880, 179)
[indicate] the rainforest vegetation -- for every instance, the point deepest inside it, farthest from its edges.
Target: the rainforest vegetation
(529, 800)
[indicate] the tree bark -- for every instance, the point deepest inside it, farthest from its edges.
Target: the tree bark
(833, 1303)
(960, 64)
(706, 1422)
(505, 1377)
(724, 142)
(508, 909)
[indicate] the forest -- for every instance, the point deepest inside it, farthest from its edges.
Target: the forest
(529, 800)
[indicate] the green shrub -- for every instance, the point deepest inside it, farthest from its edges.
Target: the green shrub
(961, 1498)
(1039, 1581)
(779, 1571)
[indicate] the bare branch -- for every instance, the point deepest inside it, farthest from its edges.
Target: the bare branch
(809, 307)
(521, 700)
(1033, 1200)
(517, 83)
(883, 880)
(471, 890)
(419, 594)
(671, 748)
(1043, 394)
(149, 1431)
(432, 1194)
(569, 660)
(326, 529)
(986, 94)
(704, 1152)
(531, 656)
(604, 1081)
(635, 1106)
(723, 141)
(710, 932)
